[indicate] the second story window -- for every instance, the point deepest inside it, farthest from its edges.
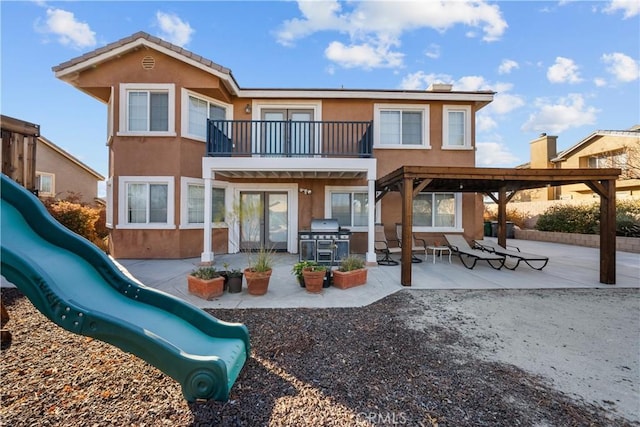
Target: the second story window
(147, 109)
(401, 126)
(456, 127)
(198, 109)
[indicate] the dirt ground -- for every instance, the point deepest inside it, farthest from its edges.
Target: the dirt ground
(417, 357)
(584, 342)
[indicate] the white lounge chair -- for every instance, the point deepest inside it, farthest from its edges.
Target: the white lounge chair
(515, 254)
(459, 246)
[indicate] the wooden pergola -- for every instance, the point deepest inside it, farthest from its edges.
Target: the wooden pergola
(411, 180)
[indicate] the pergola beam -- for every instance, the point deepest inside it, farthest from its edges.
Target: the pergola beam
(505, 182)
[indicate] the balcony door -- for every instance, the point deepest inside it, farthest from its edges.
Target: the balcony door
(264, 221)
(288, 132)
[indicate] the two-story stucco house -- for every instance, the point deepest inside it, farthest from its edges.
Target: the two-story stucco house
(600, 149)
(188, 145)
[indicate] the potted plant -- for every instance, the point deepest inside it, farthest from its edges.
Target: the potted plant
(297, 270)
(259, 271)
(235, 281)
(225, 273)
(314, 276)
(205, 282)
(352, 272)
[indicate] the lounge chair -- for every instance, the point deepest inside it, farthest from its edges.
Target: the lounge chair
(381, 245)
(460, 247)
(515, 254)
(417, 244)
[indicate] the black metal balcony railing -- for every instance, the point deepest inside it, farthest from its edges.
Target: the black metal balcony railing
(227, 138)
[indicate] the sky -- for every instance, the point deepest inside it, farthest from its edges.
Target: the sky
(565, 68)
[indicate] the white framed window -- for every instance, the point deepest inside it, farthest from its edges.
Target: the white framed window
(196, 109)
(456, 127)
(401, 126)
(46, 184)
(437, 212)
(350, 206)
(192, 203)
(147, 109)
(146, 202)
(109, 208)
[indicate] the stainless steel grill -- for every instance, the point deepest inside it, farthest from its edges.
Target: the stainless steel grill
(325, 242)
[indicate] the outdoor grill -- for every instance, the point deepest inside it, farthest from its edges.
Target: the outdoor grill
(325, 242)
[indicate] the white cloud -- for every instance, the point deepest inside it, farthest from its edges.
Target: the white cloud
(493, 154)
(364, 55)
(565, 113)
(70, 31)
(507, 65)
(484, 122)
(173, 29)
(563, 71)
(420, 80)
(373, 27)
(599, 82)
(433, 52)
(630, 8)
(623, 67)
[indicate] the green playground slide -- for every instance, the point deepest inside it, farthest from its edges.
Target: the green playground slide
(79, 288)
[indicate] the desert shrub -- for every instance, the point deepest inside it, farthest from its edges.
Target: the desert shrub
(585, 219)
(81, 219)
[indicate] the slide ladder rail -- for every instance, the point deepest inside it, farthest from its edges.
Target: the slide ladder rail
(208, 377)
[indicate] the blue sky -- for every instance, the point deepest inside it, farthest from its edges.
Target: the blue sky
(566, 68)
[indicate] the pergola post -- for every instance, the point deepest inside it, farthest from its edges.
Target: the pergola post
(407, 227)
(502, 217)
(608, 233)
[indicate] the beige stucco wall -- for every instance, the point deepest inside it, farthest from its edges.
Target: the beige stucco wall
(182, 157)
(69, 177)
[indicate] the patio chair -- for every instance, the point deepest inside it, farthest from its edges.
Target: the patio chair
(381, 245)
(417, 244)
(515, 254)
(460, 247)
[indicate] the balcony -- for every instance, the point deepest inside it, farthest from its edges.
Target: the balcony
(264, 138)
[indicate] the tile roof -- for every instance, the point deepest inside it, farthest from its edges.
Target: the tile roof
(137, 36)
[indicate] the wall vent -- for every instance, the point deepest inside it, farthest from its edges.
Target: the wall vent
(148, 62)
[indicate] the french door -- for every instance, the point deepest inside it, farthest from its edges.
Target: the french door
(264, 220)
(287, 132)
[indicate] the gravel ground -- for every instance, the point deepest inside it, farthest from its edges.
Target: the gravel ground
(309, 367)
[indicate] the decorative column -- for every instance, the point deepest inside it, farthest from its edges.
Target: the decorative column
(207, 250)
(371, 225)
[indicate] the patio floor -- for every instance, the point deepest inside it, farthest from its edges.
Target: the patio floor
(569, 267)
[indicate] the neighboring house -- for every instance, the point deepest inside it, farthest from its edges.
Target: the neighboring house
(43, 167)
(601, 149)
(61, 175)
(187, 145)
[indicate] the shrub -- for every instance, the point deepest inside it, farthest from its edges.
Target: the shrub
(351, 263)
(87, 221)
(585, 219)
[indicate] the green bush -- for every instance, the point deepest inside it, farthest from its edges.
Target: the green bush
(585, 219)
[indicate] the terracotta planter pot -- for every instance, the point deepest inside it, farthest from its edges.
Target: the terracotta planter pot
(313, 280)
(257, 281)
(205, 289)
(349, 279)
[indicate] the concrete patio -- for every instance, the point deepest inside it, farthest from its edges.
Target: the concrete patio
(569, 267)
